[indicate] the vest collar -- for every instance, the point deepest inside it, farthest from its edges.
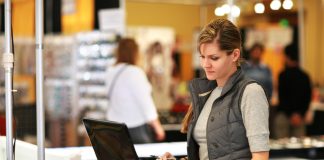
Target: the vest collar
(203, 87)
(234, 79)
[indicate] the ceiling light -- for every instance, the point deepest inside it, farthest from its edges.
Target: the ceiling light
(219, 11)
(287, 4)
(259, 8)
(226, 8)
(235, 11)
(275, 4)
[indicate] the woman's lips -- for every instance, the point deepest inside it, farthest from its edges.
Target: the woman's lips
(209, 72)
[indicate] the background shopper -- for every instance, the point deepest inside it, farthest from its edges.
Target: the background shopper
(255, 69)
(294, 97)
(130, 100)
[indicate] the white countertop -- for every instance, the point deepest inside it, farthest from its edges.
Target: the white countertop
(142, 150)
(27, 151)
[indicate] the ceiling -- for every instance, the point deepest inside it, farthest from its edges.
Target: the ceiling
(189, 2)
(246, 5)
(241, 3)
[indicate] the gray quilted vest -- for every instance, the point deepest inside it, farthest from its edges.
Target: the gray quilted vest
(226, 134)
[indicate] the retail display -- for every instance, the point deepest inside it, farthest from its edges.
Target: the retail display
(94, 54)
(59, 88)
(75, 72)
(74, 79)
(59, 82)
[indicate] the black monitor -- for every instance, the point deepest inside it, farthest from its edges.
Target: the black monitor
(110, 140)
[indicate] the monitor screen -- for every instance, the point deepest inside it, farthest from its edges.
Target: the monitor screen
(110, 140)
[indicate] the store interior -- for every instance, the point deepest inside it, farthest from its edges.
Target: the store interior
(80, 37)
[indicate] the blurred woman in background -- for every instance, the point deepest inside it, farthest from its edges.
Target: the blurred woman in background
(129, 94)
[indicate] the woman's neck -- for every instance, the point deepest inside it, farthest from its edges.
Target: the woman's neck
(221, 82)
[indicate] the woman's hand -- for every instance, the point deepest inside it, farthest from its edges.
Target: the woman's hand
(167, 156)
(158, 130)
(160, 134)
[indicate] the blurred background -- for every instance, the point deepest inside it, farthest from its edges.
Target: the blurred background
(80, 39)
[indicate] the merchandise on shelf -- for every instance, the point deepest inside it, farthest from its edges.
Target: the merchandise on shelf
(94, 54)
(75, 72)
(59, 80)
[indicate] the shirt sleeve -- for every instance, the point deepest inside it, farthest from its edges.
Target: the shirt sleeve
(255, 114)
(142, 92)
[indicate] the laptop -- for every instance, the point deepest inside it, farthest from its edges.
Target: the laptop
(111, 140)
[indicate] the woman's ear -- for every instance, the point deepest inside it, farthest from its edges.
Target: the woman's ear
(236, 55)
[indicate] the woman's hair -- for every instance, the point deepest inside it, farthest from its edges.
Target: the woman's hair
(227, 36)
(186, 120)
(127, 51)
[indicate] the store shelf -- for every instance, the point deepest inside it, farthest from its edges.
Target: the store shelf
(92, 102)
(94, 54)
(59, 82)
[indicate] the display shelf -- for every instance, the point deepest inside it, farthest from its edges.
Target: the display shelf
(58, 57)
(76, 72)
(59, 82)
(60, 103)
(94, 91)
(94, 54)
(75, 68)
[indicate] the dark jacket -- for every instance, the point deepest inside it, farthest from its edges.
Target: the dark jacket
(294, 91)
(226, 134)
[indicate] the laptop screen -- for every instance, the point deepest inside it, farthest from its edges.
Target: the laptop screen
(110, 140)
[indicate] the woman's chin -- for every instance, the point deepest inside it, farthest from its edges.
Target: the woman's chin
(211, 78)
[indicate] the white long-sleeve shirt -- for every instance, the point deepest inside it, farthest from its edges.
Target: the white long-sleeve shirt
(131, 100)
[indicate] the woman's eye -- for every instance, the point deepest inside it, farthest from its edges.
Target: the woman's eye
(202, 57)
(214, 58)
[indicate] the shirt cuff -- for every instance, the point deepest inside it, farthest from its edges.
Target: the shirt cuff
(259, 143)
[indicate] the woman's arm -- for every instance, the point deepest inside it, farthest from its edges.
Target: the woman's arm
(158, 130)
(260, 155)
(255, 114)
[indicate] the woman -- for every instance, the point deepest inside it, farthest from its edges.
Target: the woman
(228, 118)
(129, 93)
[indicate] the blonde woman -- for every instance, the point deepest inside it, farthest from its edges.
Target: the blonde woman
(228, 118)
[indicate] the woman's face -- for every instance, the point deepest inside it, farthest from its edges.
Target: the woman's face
(217, 64)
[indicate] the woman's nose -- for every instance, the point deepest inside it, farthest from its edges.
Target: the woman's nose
(205, 63)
